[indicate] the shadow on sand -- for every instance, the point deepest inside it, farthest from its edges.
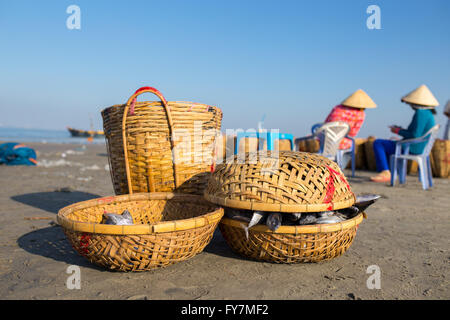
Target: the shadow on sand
(357, 179)
(51, 243)
(53, 201)
(218, 246)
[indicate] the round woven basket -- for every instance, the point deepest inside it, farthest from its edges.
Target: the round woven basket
(284, 181)
(168, 228)
(160, 146)
(291, 244)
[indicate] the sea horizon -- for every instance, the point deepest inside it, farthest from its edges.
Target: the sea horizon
(22, 135)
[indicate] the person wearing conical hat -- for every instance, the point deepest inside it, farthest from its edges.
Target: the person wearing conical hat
(351, 111)
(423, 103)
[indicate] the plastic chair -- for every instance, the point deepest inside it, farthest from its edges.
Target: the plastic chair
(341, 152)
(269, 136)
(330, 135)
(399, 158)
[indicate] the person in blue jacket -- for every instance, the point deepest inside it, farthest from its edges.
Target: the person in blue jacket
(423, 103)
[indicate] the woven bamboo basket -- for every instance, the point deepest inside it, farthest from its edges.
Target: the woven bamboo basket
(311, 145)
(360, 154)
(412, 167)
(291, 244)
(283, 145)
(440, 158)
(284, 182)
(160, 146)
(168, 228)
(370, 154)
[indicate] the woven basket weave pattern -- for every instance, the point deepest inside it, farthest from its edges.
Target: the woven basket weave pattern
(140, 253)
(149, 147)
(168, 228)
(299, 182)
(440, 158)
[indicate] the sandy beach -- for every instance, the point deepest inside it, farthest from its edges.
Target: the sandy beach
(405, 235)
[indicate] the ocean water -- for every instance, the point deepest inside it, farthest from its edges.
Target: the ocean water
(42, 136)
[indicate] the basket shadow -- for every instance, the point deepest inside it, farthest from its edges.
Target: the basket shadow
(53, 201)
(194, 185)
(52, 243)
(358, 179)
(218, 246)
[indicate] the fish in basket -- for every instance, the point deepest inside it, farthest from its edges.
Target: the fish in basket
(286, 206)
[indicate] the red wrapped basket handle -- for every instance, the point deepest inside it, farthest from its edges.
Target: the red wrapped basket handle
(130, 103)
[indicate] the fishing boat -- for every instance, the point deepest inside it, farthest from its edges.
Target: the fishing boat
(85, 133)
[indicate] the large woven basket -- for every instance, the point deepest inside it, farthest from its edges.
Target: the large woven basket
(160, 146)
(311, 145)
(370, 154)
(291, 244)
(440, 158)
(168, 228)
(284, 181)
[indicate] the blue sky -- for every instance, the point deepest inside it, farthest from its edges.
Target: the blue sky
(291, 61)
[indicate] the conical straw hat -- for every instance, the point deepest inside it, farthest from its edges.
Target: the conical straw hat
(359, 99)
(421, 96)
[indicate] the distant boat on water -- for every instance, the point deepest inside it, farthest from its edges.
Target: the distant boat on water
(85, 133)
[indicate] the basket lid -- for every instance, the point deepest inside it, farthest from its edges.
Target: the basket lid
(283, 181)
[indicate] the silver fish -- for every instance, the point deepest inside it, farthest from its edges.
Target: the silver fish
(364, 201)
(257, 216)
(293, 216)
(274, 221)
(123, 219)
(308, 218)
(245, 230)
(325, 214)
(241, 215)
(329, 219)
(344, 216)
(321, 218)
(349, 212)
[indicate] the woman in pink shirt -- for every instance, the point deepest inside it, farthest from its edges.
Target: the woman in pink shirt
(353, 116)
(351, 111)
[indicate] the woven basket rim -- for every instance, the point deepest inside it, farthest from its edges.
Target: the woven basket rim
(139, 229)
(279, 207)
(159, 103)
(317, 228)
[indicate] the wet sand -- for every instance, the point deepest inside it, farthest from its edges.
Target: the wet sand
(406, 236)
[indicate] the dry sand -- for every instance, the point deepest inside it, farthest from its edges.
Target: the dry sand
(406, 235)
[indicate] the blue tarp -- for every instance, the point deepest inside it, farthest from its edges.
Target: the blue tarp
(12, 154)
